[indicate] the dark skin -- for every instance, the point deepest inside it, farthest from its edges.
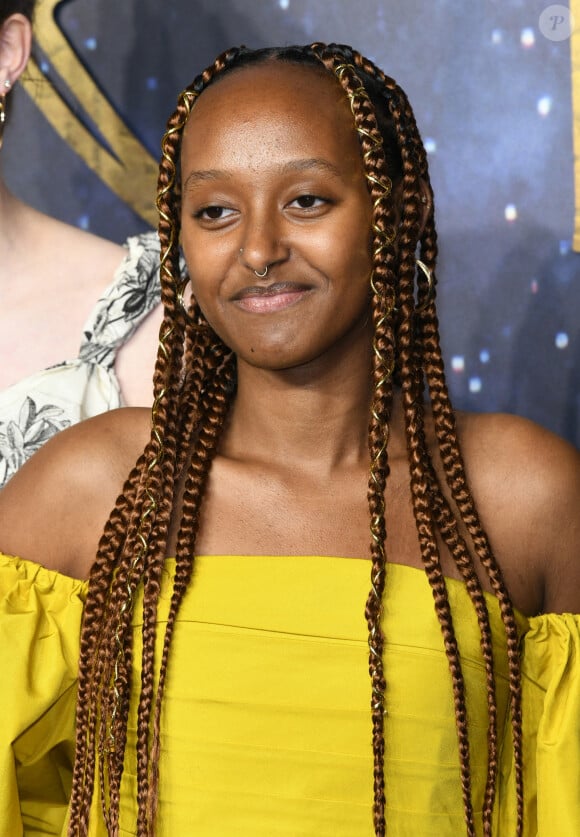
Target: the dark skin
(291, 473)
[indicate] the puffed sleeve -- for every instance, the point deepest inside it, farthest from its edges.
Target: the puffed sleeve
(40, 619)
(551, 700)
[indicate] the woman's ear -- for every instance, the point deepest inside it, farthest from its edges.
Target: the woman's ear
(15, 44)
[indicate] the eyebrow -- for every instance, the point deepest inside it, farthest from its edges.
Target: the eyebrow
(208, 174)
(308, 164)
(316, 163)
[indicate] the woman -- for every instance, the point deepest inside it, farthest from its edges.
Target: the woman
(97, 296)
(229, 693)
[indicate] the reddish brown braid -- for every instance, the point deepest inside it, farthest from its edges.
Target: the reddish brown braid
(91, 648)
(194, 383)
(408, 234)
(411, 385)
(383, 295)
(451, 458)
(454, 467)
(411, 388)
(429, 358)
(465, 564)
(142, 512)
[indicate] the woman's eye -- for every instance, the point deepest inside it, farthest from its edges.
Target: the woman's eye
(213, 213)
(308, 201)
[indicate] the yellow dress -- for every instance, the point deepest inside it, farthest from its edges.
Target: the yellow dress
(265, 727)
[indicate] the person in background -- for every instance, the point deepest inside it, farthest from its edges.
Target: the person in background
(80, 315)
(323, 603)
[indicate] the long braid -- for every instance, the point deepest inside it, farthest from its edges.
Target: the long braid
(411, 385)
(217, 404)
(339, 61)
(464, 503)
(452, 461)
(447, 527)
(92, 656)
(147, 751)
(199, 336)
(139, 559)
(455, 474)
(114, 579)
(413, 411)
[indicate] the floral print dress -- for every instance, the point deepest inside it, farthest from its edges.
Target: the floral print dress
(40, 405)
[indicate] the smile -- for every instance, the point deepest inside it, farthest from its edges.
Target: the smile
(275, 297)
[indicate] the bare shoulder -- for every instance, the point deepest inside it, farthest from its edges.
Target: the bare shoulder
(54, 509)
(526, 482)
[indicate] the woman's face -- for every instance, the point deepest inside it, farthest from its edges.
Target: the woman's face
(272, 176)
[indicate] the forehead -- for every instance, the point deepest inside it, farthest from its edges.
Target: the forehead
(277, 104)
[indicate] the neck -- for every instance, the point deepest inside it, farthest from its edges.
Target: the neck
(12, 223)
(312, 417)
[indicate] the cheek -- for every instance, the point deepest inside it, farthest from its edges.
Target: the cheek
(347, 245)
(208, 254)
(354, 251)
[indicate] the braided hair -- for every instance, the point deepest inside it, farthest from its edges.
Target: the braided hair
(194, 386)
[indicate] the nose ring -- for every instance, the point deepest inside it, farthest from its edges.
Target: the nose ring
(257, 272)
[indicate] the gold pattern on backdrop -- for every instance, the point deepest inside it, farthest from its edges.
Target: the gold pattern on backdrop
(575, 53)
(119, 159)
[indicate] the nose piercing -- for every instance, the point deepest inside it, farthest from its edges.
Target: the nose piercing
(257, 272)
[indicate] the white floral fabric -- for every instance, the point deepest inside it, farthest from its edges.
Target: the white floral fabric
(40, 405)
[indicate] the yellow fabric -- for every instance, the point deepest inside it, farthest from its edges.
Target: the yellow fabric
(266, 719)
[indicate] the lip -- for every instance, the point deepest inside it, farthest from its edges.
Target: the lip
(263, 299)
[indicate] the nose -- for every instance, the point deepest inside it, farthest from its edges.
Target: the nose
(262, 245)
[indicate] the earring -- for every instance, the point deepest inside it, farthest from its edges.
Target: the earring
(199, 324)
(180, 287)
(7, 85)
(2, 119)
(430, 286)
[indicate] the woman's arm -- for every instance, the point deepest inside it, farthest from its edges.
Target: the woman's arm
(526, 483)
